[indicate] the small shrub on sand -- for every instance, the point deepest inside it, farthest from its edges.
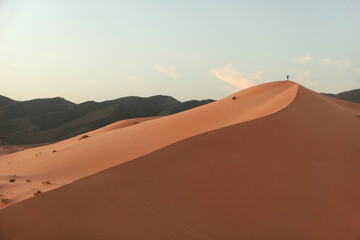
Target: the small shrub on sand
(37, 192)
(46, 182)
(82, 137)
(234, 98)
(54, 151)
(5, 200)
(12, 179)
(28, 180)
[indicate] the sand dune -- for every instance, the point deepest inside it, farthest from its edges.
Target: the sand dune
(130, 139)
(7, 149)
(280, 162)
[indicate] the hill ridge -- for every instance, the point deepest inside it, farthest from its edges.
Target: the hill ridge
(53, 119)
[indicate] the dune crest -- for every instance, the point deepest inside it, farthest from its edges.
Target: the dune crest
(293, 174)
(66, 161)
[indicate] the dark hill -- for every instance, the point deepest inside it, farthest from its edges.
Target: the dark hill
(352, 95)
(16, 110)
(5, 101)
(49, 120)
(184, 106)
(53, 119)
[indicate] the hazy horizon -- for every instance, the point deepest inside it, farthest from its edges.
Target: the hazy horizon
(102, 50)
(89, 100)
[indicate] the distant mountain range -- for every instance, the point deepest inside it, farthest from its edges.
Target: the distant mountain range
(352, 95)
(54, 119)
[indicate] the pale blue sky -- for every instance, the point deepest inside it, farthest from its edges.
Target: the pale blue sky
(104, 49)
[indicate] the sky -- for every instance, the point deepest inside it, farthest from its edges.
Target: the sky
(189, 49)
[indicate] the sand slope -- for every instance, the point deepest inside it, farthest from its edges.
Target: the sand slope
(294, 174)
(129, 139)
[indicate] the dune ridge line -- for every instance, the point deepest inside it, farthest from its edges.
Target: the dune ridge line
(66, 161)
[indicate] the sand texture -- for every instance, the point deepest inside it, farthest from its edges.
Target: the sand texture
(278, 162)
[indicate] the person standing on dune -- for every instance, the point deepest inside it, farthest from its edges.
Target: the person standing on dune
(287, 77)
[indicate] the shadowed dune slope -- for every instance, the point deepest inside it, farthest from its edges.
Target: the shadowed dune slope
(130, 139)
(294, 174)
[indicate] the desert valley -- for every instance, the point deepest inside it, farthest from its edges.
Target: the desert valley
(179, 120)
(275, 161)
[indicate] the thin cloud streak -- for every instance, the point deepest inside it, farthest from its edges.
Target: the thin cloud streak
(327, 60)
(347, 63)
(306, 79)
(235, 78)
(306, 58)
(169, 70)
(135, 81)
(258, 75)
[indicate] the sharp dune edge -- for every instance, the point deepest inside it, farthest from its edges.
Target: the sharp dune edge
(130, 139)
(279, 162)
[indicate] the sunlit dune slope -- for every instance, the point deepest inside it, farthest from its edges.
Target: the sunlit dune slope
(294, 174)
(72, 159)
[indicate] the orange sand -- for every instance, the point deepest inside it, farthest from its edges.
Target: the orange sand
(280, 162)
(130, 139)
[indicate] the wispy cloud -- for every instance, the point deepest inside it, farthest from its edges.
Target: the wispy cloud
(327, 60)
(306, 58)
(258, 76)
(135, 81)
(338, 63)
(306, 79)
(235, 78)
(347, 63)
(312, 83)
(169, 70)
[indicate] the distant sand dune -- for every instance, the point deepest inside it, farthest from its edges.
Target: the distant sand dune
(279, 162)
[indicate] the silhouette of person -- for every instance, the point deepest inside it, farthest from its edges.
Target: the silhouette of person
(287, 77)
